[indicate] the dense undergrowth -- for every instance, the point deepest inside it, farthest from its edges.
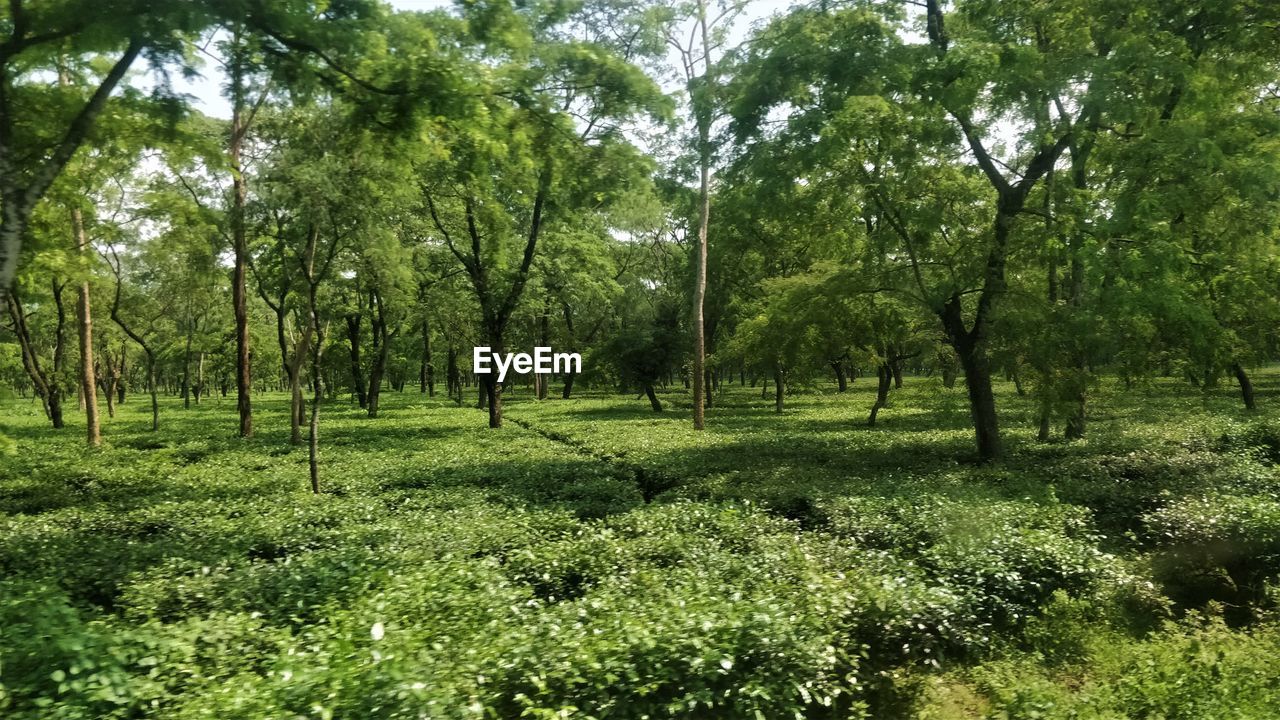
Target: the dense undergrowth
(593, 559)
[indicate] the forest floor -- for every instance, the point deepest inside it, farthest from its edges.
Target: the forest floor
(595, 559)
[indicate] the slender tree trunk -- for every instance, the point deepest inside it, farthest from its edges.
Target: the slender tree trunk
(452, 380)
(240, 246)
(428, 367)
(842, 381)
(383, 346)
(493, 400)
(492, 389)
(123, 373)
(186, 374)
(653, 398)
(1046, 417)
(109, 392)
(895, 367)
(703, 118)
(357, 375)
(573, 347)
(297, 409)
(884, 375)
(151, 387)
(30, 360)
(779, 388)
(59, 353)
(88, 381)
(199, 375)
(544, 339)
(948, 376)
(1246, 386)
(317, 381)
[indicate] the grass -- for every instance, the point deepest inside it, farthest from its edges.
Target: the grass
(594, 559)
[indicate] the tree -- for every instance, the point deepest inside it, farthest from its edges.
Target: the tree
(517, 163)
(706, 26)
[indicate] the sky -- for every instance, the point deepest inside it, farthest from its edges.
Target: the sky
(206, 90)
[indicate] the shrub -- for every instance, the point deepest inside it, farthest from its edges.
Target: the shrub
(1218, 547)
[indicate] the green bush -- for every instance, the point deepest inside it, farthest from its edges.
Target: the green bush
(1221, 548)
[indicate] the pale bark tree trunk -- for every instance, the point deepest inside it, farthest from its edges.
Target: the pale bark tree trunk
(88, 381)
(241, 118)
(702, 112)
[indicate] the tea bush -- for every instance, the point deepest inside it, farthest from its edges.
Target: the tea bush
(595, 561)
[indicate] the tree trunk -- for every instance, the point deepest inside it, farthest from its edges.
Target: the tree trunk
(120, 387)
(948, 376)
(779, 388)
(982, 401)
(317, 381)
(895, 367)
(842, 381)
(88, 381)
(297, 407)
(151, 387)
(297, 413)
(968, 345)
(186, 374)
(544, 339)
(492, 391)
(653, 398)
(199, 375)
(109, 391)
(30, 360)
(453, 378)
(357, 376)
(884, 375)
(382, 342)
(1246, 386)
(1076, 422)
(240, 248)
(700, 274)
(428, 367)
(59, 353)
(573, 347)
